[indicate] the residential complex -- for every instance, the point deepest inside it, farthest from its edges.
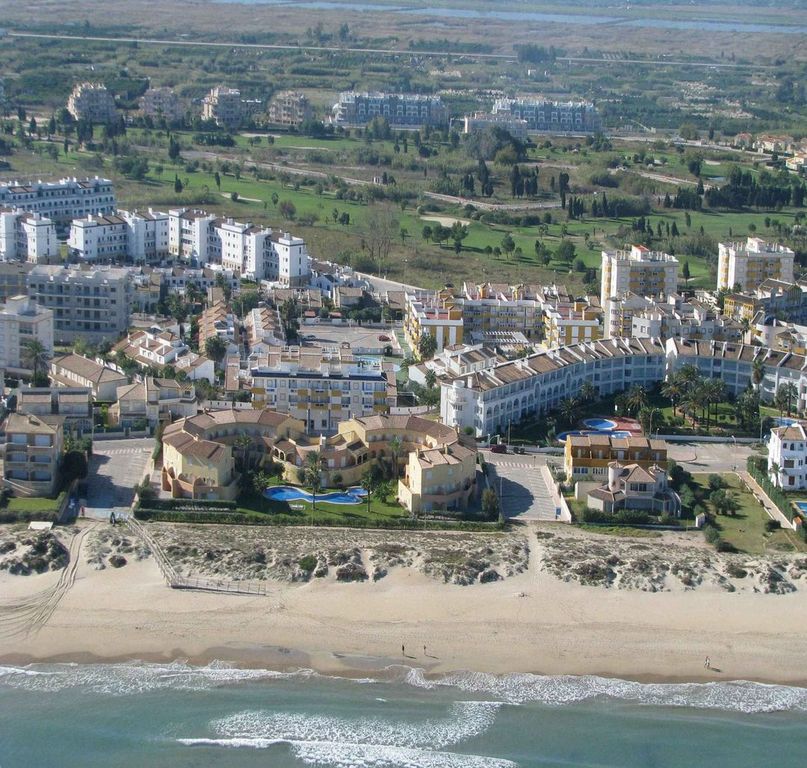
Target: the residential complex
(289, 108)
(14, 279)
(162, 103)
(147, 402)
(587, 457)
(640, 271)
(434, 314)
(248, 251)
(92, 304)
(156, 348)
(768, 300)
(79, 371)
(401, 110)
(436, 468)
(570, 323)
(32, 452)
(322, 387)
(787, 457)
(479, 121)
(744, 266)
(23, 321)
(92, 102)
(490, 400)
(27, 237)
(61, 201)
(543, 115)
(73, 405)
(225, 107)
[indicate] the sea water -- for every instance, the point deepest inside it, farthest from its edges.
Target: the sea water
(176, 715)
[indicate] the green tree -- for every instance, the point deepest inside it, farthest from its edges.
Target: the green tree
(312, 472)
(216, 349)
(395, 447)
(685, 273)
(565, 252)
(427, 346)
(35, 356)
(490, 504)
(508, 244)
(431, 378)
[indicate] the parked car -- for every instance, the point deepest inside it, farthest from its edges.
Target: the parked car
(498, 448)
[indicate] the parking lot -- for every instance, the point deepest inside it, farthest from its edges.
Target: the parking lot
(362, 340)
(116, 467)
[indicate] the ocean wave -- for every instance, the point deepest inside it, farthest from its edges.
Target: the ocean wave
(733, 696)
(134, 677)
(349, 755)
(464, 720)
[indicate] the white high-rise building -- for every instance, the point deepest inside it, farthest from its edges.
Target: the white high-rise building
(749, 264)
(638, 271)
(27, 237)
(98, 238)
(245, 249)
(189, 234)
(293, 263)
(23, 320)
(148, 235)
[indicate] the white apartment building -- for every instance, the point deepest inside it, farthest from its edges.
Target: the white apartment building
(245, 249)
(787, 457)
(98, 238)
(189, 234)
(177, 279)
(749, 264)
(92, 304)
(542, 114)
(322, 387)
(640, 271)
(162, 103)
(490, 400)
(27, 237)
(92, 102)
(479, 121)
(248, 251)
(147, 236)
(61, 201)
(400, 109)
(290, 264)
(23, 320)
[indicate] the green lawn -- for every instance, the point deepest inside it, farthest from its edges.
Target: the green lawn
(746, 530)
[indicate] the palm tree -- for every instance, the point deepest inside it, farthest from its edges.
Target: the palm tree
(673, 389)
(588, 392)
(395, 453)
(745, 325)
(569, 409)
(636, 399)
(431, 379)
(35, 356)
(243, 443)
(758, 371)
(715, 392)
(312, 473)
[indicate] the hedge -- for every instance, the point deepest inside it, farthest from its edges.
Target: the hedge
(757, 468)
(239, 518)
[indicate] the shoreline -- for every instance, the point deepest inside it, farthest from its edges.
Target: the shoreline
(381, 673)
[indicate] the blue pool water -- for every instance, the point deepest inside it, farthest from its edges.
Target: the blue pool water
(290, 493)
(601, 425)
(784, 421)
(574, 432)
(802, 506)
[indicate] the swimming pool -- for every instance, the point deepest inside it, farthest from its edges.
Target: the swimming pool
(353, 495)
(802, 507)
(575, 432)
(600, 425)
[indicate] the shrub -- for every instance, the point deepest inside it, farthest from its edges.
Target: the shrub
(307, 563)
(721, 545)
(712, 534)
(772, 525)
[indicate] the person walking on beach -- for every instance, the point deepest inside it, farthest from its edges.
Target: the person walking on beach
(707, 663)
(403, 650)
(424, 650)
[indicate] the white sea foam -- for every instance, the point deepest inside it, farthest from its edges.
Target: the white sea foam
(464, 721)
(736, 696)
(134, 677)
(348, 755)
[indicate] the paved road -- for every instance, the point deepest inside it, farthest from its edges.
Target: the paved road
(521, 486)
(116, 467)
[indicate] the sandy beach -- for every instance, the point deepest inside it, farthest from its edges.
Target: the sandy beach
(531, 621)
